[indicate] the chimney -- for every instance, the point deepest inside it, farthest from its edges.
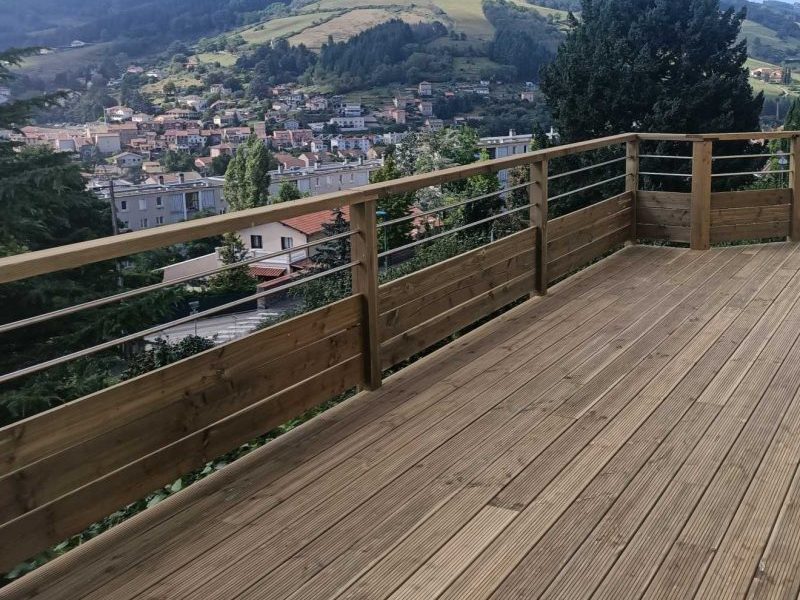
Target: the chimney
(316, 164)
(160, 180)
(360, 160)
(512, 133)
(181, 177)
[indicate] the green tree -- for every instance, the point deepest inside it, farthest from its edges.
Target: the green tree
(651, 65)
(238, 279)
(393, 206)
(247, 178)
(288, 191)
(177, 160)
(329, 255)
(219, 164)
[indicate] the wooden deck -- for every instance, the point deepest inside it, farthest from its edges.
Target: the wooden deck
(634, 434)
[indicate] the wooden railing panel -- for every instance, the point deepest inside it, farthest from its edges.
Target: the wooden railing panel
(424, 335)
(750, 215)
(44, 480)
(587, 254)
(663, 216)
(37, 437)
(585, 234)
(408, 288)
(586, 217)
(427, 306)
(71, 513)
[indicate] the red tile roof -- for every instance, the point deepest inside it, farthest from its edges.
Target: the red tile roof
(312, 223)
(257, 271)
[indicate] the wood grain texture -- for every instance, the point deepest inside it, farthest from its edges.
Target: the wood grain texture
(700, 235)
(636, 439)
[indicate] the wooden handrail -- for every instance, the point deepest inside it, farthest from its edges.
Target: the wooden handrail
(22, 266)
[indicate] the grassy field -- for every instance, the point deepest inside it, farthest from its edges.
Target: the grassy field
(47, 66)
(284, 27)
(226, 59)
(346, 25)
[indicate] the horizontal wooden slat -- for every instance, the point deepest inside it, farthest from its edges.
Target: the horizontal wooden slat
(669, 200)
(445, 324)
(754, 231)
(586, 254)
(669, 233)
(580, 237)
(43, 481)
(720, 200)
(57, 429)
(585, 217)
(71, 513)
(425, 307)
(407, 288)
(671, 217)
(30, 264)
(751, 214)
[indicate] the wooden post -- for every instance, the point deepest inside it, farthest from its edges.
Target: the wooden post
(364, 249)
(794, 185)
(537, 194)
(700, 235)
(632, 181)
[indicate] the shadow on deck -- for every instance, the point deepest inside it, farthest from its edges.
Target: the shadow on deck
(635, 433)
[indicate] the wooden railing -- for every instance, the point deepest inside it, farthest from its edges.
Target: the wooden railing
(70, 466)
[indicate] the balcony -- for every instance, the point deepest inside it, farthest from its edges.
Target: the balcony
(628, 427)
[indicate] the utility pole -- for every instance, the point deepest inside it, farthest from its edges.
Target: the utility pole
(114, 224)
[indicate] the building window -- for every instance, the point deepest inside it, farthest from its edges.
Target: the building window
(142, 203)
(159, 202)
(126, 225)
(256, 241)
(123, 205)
(144, 222)
(159, 220)
(286, 243)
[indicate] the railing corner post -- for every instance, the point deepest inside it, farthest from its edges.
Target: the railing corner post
(537, 196)
(794, 185)
(700, 231)
(364, 250)
(632, 181)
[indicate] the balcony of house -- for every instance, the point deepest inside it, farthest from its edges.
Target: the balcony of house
(603, 403)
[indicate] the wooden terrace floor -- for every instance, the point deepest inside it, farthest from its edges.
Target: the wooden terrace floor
(634, 434)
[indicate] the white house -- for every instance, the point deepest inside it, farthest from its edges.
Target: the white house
(128, 160)
(119, 113)
(425, 88)
(349, 123)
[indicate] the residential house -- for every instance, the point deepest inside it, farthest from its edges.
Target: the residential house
(119, 113)
(425, 88)
(352, 109)
(348, 123)
(164, 199)
(198, 103)
(107, 143)
(433, 124)
(426, 108)
(128, 160)
(505, 145)
(291, 124)
(317, 103)
(219, 89)
(527, 96)
(399, 115)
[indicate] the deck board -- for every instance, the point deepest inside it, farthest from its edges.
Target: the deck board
(633, 434)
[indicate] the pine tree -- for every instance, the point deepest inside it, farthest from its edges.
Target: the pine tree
(651, 65)
(336, 252)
